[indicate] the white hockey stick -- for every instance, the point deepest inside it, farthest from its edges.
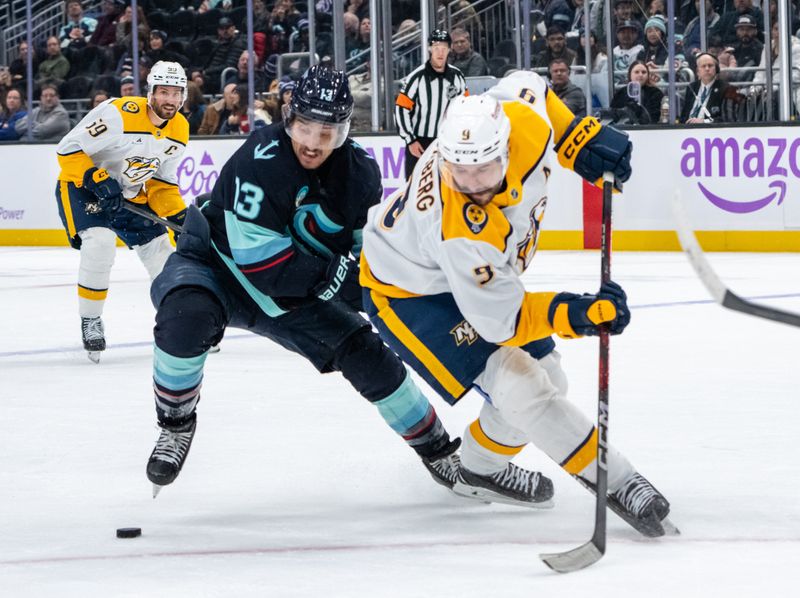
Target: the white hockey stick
(720, 293)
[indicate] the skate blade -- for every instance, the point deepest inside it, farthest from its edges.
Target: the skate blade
(487, 496)
(94, 356)
(156, 489)
(669, 528)
(215, 349)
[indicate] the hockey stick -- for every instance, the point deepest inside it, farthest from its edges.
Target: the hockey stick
(131, 207)
(591, 552)
(719, 292)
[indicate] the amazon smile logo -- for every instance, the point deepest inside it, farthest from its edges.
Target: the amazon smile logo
(771, 159)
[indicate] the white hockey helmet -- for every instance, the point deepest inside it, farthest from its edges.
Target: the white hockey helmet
(166, 73)
(473, 140)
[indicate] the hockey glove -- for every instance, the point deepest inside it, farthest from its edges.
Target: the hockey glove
(590, 149)
(341, 282)
(574, 315)
(107, 191)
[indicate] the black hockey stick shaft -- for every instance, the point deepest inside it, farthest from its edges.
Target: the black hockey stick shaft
(132, 207)
(592, 551)
(599, 537)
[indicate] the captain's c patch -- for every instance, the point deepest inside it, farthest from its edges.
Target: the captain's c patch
(475, 217)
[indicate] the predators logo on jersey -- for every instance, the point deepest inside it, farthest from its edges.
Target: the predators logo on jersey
(139, 170)
(464, 332)
(476, 217)
(131, 107)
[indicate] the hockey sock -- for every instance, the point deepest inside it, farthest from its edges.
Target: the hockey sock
(98, 250)
(490, 442)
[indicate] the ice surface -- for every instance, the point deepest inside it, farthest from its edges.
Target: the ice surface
(295, 487)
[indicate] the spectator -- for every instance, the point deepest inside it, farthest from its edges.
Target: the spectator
(207, 5)
(760, 79)
(557, 13)
(569, 93)
(197, 76)
(158, 52)
(218, 112)
(13, 111)
(639, 100)
(126, 87)
(97, 97)
(597, 53)
(626, 50)
(281, 24)
(556, 48)
(240, 77)
(19, 66)
(464, 58)
(464, 16)
(361, 90)
(238, 122)
(656, 7)
(125, 22)
(360, 8)
(56, 66)
(747, 50)
(691, 35)
(424, 97)
(48, 122)
(351, 26)
(284, 90)
(227, 51)
(726, 26)
(271, 69)
(194, 108)
(79, 29)
(359, 52)
(794, 17)
(655, 41)
(105, 34)
(704, 97)
(125, 64)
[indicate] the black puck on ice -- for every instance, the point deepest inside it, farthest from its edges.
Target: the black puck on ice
(129, 532)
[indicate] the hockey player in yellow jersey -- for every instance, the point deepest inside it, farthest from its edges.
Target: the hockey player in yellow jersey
(441, 267)
(124, 150)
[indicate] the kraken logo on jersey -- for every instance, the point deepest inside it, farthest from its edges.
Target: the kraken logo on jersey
(464, 332)
(140, 169)
(476, 217)
(131, 107)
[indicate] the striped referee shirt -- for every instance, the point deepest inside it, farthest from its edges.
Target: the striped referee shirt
(424, 97)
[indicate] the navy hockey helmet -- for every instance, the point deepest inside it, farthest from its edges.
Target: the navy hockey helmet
(321, 96)
(439, 35)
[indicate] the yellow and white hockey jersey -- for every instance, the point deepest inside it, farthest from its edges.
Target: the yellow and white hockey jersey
(428, 239)
(117, 135)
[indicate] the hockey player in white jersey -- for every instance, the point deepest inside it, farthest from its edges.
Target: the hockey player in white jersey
(441, 265)
(125, 150)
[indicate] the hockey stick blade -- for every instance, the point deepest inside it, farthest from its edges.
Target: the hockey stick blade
(573, 560)
(719, 292)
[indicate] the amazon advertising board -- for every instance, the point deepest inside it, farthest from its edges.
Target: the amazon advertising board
(745, 182)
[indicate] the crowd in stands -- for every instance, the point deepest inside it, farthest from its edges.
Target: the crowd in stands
(90, 58)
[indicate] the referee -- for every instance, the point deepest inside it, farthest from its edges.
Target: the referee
(425, 95)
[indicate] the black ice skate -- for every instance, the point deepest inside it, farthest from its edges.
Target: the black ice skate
(444, 466)
(169, 455)
(94, 339)
(513, 485)
(642, 506)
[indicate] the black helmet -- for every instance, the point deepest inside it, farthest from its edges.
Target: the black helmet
(439, 35)
(322, 94)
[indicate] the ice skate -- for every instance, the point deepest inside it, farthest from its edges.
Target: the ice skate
(94, 340)
(642, 506)
(444, 467)
(513, 485)
(169, 455)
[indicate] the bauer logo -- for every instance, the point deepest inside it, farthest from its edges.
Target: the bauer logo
(714, 163)
(196, 177)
